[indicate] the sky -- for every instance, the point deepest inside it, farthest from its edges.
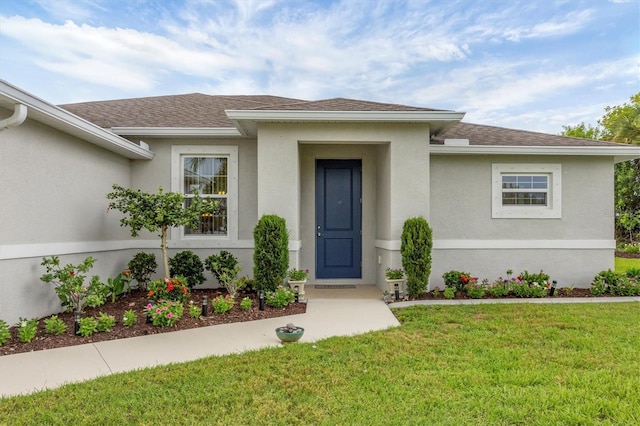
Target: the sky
(533, 64)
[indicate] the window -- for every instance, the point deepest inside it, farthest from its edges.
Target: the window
(526, 191)
(211, 172)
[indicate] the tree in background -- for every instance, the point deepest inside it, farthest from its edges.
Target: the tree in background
(620, 124)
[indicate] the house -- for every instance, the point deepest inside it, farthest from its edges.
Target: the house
(344, 173)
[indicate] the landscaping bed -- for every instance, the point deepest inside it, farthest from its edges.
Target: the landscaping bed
(136, 301)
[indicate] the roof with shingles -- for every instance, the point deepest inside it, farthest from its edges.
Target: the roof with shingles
(191, 110)
(198, 110)
(499, 136)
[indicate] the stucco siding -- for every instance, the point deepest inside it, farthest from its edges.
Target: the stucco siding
(572, 248)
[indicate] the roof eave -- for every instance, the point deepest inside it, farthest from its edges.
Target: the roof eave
(58, 118)
(185, 132)
(619, 153)
(246, 120)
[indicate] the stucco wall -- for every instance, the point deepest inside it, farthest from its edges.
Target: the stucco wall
(149, 175)
(572, 249)
(53, 203)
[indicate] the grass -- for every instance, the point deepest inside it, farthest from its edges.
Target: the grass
(450, 365)
(623, 264)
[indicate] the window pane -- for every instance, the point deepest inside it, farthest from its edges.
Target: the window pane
(540, 182)
(211, 223)
(207, 175)
(524, 198)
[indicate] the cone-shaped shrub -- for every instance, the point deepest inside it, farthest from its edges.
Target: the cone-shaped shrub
(271, 252)
(417, 240)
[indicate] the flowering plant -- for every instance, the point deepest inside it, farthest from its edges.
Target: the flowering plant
(280, 298)
(474, 289)
(298, 274)
(222, 304)
(69, 282)
(168, 288)
(165, 313)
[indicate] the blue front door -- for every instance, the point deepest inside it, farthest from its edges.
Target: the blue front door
(338, 219)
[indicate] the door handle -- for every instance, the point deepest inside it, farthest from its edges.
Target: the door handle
(319, 234)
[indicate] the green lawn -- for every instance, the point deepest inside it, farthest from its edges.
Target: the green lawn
(622, 264)
(451, 365)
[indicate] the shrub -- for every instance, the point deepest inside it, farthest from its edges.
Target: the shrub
(627, 287)
(499, 288)
(54, 325)
(449, 293)
(474, 289)
(129, 318)
(524, 289)
(116, 286)
(27, 329)
(165, 313)
(69, 281)
(607, 279)
(246, 304)
(280, 298)
(225, 262)
(456, 279)
(88, 326)
(271, 252)
(187, 264)
(599, 286)
(415, 248)
(5, 334)
(222, 304)
(97, 293)
(195, 311)
(541, 278)
(171, 289)
(633, 272)
(142, 266)
(394, 274)
(105, 322)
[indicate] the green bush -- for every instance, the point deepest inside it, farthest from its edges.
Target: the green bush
(142, 266)
(187, 264)
(5, 334)
(456, 279)
(271, 252)
(54, 325)
(27, 329)
(105, 322)
(88, 326)
(415, 248)
(222, 304)
(222, 263)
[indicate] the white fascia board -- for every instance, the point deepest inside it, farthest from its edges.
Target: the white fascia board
(383, 116)
(58, 118)
(621, 153)
(169, 132)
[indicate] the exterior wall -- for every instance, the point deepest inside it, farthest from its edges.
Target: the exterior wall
(53, 203)
(571, 249)
(391, 153)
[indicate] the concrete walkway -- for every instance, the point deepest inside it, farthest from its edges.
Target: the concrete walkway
(329, 313)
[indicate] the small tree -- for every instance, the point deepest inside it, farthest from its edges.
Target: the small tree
(271, 252)
(415, 247)
(158, 212)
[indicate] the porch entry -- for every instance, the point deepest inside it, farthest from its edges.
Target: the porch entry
(338, 219)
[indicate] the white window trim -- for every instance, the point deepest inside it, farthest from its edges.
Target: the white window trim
(551, 211)
(229, 151)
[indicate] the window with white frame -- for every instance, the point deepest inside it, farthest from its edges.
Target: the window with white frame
(527, 191)
(211, 172)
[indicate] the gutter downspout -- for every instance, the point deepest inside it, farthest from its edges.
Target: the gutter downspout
(18, 117)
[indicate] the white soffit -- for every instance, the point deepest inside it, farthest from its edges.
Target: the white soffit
(246, 120)
(169, 132)
(620, 153)
(58, 118)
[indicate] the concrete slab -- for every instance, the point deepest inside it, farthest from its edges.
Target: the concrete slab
(34, 371)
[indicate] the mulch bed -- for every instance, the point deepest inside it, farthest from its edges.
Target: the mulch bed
(628, 255)
(137, 300)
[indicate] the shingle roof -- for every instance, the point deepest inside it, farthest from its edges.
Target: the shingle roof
(489, 135)
(192, 110)
(343, 104)
(200, 110)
